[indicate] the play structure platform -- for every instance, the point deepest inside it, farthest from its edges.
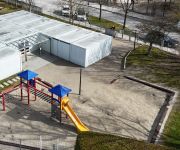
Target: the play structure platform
(32, 84)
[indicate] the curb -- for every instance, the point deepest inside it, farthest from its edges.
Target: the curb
(163, 114)
(124, 60)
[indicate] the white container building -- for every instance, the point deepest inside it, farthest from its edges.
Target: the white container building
(77, 45)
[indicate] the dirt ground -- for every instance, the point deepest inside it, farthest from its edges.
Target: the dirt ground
(124, 108)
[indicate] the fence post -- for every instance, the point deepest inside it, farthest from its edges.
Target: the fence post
(20, 144)
(122, 33)
(40, 138)
(80, 81)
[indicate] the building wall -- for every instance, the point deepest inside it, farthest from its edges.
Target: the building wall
(10, 62)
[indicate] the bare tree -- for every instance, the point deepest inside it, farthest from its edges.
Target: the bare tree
(100, 9)
(30, 4)
(156, 30)
(101, 3)
(126, 5)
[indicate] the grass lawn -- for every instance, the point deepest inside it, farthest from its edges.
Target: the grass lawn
(99, 141)
(105, 23)
(58, 19)
(162, 68)
(7, 8)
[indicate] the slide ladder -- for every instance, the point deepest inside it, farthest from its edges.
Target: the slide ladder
(66, 107)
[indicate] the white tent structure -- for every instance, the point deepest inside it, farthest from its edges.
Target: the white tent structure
(77, 45)
(10, 62)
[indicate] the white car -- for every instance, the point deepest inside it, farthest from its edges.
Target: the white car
(65, 10)
(81, 14)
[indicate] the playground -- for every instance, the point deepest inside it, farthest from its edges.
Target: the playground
(124, 108)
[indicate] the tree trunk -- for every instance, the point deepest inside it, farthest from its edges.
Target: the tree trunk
(147, 8)
(149, 49)
(100, 11)
(132, 5)
(164, 9)
(125, 16)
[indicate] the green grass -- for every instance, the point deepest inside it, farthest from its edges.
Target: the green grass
(7, 8)
(99, 141)
(105, 23)
(162, 68)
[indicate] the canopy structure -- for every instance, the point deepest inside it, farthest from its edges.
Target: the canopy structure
(27, 75)
(60, 90)
(80, 46)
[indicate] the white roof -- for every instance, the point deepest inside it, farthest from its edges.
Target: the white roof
(1, 45)
(93, 39)
(21, 24)
(75, 35)
(6, 52)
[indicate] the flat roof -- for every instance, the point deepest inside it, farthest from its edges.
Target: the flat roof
(6, 52)
(93, 39)
(22, 24)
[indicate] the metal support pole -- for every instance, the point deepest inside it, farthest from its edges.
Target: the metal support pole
(3, 102)
(28, 92)
(21, 89)
(25, 54)
(80, 80)
(66, 113)
(60, 115)
(35, 89)
(52, 105)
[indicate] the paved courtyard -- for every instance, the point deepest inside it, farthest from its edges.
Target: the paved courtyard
(124, 108)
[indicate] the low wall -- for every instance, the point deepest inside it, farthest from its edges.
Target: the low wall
(161, 118)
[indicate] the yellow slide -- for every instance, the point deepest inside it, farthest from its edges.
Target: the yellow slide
(65, 106)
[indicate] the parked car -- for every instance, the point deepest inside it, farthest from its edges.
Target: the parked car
(80, 14)
(161, 39)
(65, 10)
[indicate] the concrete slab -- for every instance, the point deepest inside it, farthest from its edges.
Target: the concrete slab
(5, 83)
(14, 80)
(10, 82)
(17, 78)
(1, 86)
(28, 123)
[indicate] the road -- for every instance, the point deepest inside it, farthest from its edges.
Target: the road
(51, 5)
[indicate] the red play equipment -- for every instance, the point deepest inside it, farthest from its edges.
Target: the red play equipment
(32, 84)
(28, 82)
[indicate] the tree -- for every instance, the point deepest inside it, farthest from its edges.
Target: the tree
(30, 4)
(100, 9)
(156, 30)
(126, 5)
(147, 7)
(101, 2)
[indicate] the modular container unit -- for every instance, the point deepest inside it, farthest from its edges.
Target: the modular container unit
(10, 62)
(91, 49)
